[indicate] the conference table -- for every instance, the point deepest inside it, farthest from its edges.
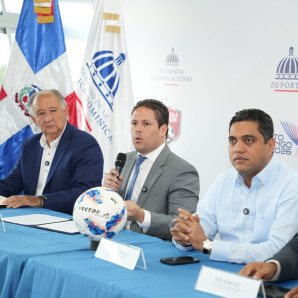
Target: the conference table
(41, 263)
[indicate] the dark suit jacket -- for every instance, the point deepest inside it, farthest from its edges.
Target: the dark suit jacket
(76, 167)
(172, 183)
(288, 259)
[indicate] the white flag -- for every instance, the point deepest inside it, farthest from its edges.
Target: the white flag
(104, 90)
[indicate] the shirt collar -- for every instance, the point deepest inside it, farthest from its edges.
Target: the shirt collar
(263, 176)
(154, 154)
(53, 144)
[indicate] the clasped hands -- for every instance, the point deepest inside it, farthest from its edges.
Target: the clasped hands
(188, 230)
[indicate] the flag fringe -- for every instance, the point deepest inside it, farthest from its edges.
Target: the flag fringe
(110, 16)
(113, 29)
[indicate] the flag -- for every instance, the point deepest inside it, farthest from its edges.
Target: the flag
(104, 90)
(37, 61)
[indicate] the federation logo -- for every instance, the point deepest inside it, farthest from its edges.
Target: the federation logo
(286, 76)
(104, 71)
(172, 74)
(174, 125)
(22, 97)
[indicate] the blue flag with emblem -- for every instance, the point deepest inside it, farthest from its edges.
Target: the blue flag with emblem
(37, 61)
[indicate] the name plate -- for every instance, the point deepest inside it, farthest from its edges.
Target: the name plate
(227, 284)
(121, 254)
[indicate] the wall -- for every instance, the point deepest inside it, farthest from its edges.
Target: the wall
(228, 54)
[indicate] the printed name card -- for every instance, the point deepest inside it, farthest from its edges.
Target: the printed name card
(120, 254)
(227, 284)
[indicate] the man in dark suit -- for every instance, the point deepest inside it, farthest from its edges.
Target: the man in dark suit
(55, 166)
(165, 182)
(282, 266)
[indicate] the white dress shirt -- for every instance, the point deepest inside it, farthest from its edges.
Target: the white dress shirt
(46, 161)
(271, 222)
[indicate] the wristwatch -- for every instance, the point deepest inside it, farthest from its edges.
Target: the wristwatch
(207, 246)
(42, 199)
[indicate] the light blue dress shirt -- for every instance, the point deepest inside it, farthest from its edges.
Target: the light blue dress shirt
(272, 220)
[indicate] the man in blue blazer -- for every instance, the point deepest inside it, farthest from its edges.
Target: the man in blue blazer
(281, 267)
(55, 166)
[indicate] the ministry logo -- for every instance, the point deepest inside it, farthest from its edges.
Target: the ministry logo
(104, 71)
(286, 76)
(172, 74)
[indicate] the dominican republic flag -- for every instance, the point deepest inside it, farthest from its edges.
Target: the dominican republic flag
(37, 61)
(104, 90)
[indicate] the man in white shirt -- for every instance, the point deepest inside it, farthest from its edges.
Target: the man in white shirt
(253, 207)
(164, 183)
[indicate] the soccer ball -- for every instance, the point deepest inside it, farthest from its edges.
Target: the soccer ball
(99, 212)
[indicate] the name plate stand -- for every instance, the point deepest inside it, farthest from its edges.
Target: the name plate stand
(2, 224)
(125, 255)
(227, 284)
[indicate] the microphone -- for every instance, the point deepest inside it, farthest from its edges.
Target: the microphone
(120, 162)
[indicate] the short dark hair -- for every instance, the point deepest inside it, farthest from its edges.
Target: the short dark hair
(265, 122)
(161, 112)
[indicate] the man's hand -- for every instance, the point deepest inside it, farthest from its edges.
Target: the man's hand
(113, 181)
(21, 201)
(265, 271)
(188, 230)
(134, 212)
(292, 294)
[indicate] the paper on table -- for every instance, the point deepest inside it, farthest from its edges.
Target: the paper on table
(34, 219)
(64, 227)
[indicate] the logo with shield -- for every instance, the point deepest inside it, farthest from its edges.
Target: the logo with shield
(174, 125)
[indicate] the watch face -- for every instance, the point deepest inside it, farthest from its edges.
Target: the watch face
(207, 244)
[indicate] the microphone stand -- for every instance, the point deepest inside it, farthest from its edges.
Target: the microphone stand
(94, 244)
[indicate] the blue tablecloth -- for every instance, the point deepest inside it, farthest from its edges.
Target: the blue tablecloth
(38, 263)
(19, 243)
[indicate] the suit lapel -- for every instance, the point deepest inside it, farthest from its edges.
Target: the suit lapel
(62, 147)
(155, 172)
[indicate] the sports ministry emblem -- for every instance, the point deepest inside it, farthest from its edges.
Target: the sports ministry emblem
(174, 125)
(104, 71)
(286, 76)
(22, 97)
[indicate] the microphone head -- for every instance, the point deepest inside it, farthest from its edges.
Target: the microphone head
(120, 160)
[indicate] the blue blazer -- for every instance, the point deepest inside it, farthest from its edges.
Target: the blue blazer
(288, 259)
(76, 167)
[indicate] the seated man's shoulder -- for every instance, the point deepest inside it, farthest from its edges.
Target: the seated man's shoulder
(227, 176)
(177, 163)
(35, 138)
(80, 135)
(286, 171)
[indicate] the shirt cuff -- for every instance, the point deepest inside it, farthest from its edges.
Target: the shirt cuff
(185, 248)
(220, 250)
(145, 225)
(277, 274)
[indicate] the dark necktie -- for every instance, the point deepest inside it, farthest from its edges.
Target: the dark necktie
(134, 177)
